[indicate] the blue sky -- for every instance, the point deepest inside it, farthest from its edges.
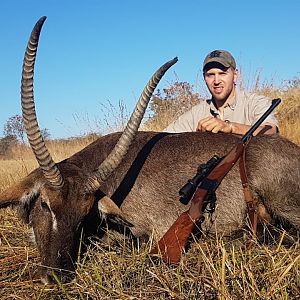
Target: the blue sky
(93, 53)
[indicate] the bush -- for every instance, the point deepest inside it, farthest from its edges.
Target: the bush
(6, 145)
(169, 104)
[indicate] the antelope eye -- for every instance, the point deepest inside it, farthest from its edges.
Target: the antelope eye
(45, 206)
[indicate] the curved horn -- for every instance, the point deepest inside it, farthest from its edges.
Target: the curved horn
(122, 146)
(50, 169)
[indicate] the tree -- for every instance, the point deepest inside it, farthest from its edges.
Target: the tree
(14, 127)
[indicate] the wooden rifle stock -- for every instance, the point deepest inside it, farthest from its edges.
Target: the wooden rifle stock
(171, 245)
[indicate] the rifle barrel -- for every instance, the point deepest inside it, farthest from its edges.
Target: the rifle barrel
(275, 102)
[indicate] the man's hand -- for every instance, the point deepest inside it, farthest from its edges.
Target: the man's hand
(214, 125)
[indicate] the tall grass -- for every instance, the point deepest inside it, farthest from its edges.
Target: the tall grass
(120, 267)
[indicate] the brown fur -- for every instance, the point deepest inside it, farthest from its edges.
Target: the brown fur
(145, 187)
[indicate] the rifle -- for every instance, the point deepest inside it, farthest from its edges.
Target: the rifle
(204, 184)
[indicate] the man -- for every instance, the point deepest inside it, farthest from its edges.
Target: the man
(229, 110)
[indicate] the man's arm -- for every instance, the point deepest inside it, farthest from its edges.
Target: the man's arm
(217, 125)
(266, 128)
(256, 105)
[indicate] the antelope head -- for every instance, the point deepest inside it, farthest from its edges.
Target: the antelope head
(56, 197)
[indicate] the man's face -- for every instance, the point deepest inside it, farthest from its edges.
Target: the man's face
(220, 81)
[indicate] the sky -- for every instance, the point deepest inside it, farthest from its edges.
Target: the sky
(94, 55)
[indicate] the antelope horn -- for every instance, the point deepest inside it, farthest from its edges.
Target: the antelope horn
(115, 157)
(48, 166)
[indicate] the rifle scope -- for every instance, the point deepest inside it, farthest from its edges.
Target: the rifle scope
(188, 190)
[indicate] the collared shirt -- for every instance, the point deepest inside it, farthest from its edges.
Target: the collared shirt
(245, 108)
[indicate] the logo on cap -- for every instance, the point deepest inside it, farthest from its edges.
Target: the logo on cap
(215, 53)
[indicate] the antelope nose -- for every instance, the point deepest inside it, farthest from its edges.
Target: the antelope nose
(47, 279)
(57, 276)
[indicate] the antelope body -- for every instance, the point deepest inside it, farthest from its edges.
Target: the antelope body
(133, 179)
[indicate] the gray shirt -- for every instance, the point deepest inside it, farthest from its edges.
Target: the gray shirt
(246, 108)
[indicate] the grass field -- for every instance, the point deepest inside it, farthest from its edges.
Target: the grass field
(120, 268)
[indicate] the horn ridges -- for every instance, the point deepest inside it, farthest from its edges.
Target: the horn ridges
(50, 169)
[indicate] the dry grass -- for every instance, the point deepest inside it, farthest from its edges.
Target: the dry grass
(288, 111)
(119, 268)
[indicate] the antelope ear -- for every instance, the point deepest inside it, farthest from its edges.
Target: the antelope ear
(108, 209)
(13, 195)
(22, 195)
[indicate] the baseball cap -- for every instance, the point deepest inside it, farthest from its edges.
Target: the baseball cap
(220, 56)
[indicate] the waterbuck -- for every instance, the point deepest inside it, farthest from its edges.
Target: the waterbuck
(133, 178)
